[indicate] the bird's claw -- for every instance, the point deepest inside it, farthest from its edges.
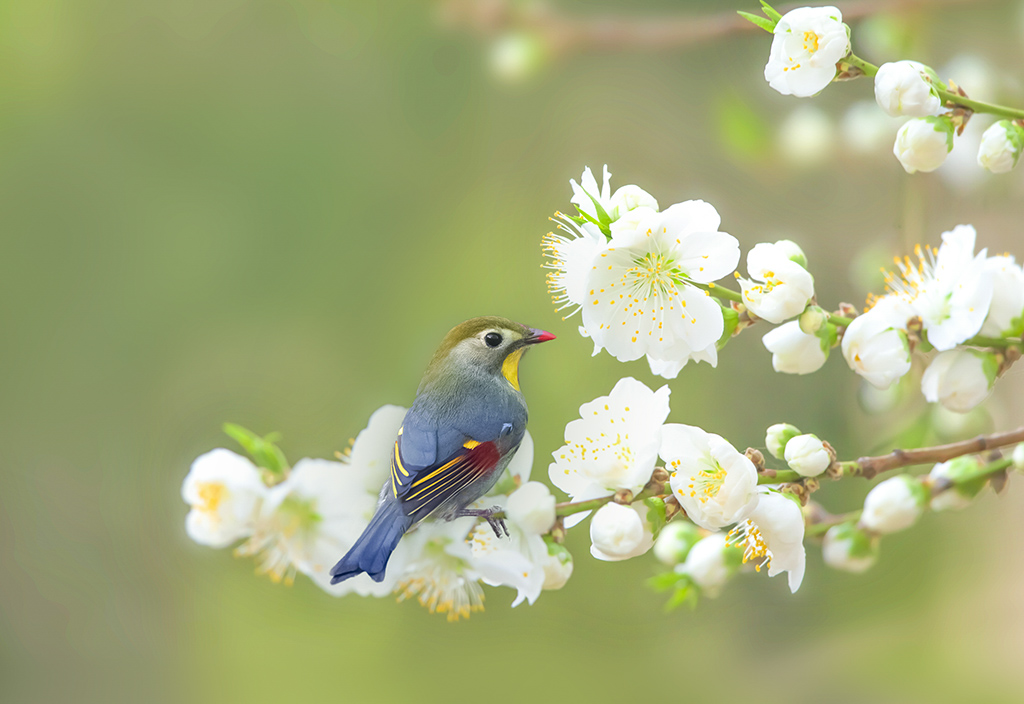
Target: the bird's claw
(497, 523)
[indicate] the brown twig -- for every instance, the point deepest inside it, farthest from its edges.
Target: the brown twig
(870, 467)
(562, 33)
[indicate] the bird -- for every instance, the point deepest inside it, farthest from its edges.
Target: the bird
(462, 430)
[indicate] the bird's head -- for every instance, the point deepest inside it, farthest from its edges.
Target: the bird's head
(488, 344)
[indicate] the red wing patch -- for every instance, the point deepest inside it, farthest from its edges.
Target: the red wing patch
(421, 490)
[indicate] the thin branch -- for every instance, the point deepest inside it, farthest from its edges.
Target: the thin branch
(870, 467)
(565, 33)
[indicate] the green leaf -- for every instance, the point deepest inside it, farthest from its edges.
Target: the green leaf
(742, 130)
(604, 219)
(262, 450)
(688, 594)
(771, 12)
(666, 580)
(766, 25)
(655, 513)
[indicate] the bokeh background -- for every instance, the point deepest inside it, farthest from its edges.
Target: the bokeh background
(269, 212)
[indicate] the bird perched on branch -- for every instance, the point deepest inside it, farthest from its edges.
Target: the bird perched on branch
(462, 430)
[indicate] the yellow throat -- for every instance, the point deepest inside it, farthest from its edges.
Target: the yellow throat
(510, 367)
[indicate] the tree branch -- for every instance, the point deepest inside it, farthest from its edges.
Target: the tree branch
(870, 467)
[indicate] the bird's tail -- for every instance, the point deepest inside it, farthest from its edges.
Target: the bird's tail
(371, 552)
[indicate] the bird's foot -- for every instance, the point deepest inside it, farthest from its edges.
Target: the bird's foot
(497, 523)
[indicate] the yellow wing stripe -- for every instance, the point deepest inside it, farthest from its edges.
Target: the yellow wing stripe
(398, 461)
(470, 444)
(437, 471)
(453, 484)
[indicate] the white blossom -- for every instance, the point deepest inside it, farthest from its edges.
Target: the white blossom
(894, 505)
(309, 521)
(779, 288)
(641, 293)
(224, 491)
(949, 288)
(905, 88)
(923, 143)
(674, 542)
(571, 255)
(773, 536)
(959, 379)
(793, 351)
(532, 508)
(807, 455)
(1006, 311)
(615, 205)
(516, 56)
(808, 43)
(614, 444)
(517, 560)
(620, 532)
(710, 564)
(435, 565)
(1017, 457)
(713, 482)
(1000, 147)
(846, 547)
(778, 436)
(875, 344)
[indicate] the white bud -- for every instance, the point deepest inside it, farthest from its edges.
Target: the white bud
(1000, 147)
(875, 345)
(812, 320)
(708, 564)
(923, 143)
(963, 484)
(557, 567)
(894, 505)
(1018, 457)
(674, 542)
(866, 129)
(777, 436)
(532, 508)
(793, 351)
(619, 532)
(959, 379)
(791, 250)
(849, 548)
(807, 456)
(904, 88)
(516, 56)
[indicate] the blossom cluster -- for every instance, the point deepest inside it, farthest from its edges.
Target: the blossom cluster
(303, 519)
(938, 307)
(613, 449)
(811, 48)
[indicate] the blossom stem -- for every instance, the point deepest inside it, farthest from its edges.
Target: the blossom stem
(717, 291)
(821, 527)
(980, 341)
(655, 487)
(840, 320)
(947, 96)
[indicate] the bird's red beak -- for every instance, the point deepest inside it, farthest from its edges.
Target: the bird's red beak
(538, 336)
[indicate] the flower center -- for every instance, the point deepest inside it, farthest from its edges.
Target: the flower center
(211, 494)
(748, 536)
(707, 482)
(441, 586)
(811, 42)
(654, 273)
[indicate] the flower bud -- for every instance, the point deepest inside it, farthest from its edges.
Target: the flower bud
(846, 547)
(812, 320)
(807, 456)
(791, 250)
(1006, 312)
(1017, 457)
(1000, 147)
(619, 532)
(674, 542)
(777, 437)
(557, 567)
(923, 143)
(807, 137)
(959, 472)
(532, 508)
(875, 344)
(905, 88)
(710, 564)
(894, 505)
(960, 379)
(794, 352)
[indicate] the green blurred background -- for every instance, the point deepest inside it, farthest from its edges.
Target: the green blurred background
(269, 212)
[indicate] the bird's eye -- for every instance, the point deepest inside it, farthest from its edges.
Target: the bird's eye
(492, 339)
